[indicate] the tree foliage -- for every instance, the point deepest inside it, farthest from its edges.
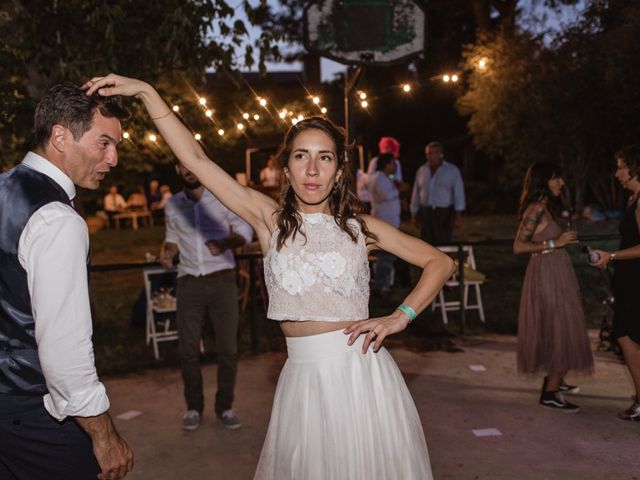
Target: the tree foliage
(574, 101)
(170, 42)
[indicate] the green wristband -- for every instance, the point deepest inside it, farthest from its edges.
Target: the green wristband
(408, 311)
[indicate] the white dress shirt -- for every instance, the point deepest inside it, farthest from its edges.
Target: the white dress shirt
(53, 250)
(114, 202)
(189, 225)
(444, 189)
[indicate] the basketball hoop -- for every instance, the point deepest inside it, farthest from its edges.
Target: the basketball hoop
(368, 32)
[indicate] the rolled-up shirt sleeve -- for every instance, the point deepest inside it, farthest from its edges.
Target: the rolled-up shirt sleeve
(53, 250)
(171, 232)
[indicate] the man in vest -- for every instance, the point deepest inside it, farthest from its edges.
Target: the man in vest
(54, 422)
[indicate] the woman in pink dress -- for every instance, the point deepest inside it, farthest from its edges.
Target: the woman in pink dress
(552, 335)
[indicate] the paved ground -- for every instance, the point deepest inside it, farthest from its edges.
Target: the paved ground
(535, 443)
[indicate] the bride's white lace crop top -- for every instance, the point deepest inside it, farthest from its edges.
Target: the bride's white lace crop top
(324, 277)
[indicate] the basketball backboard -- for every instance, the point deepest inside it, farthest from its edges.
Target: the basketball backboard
(365, 31)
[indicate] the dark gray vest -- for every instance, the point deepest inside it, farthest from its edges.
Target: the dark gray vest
(22, 192)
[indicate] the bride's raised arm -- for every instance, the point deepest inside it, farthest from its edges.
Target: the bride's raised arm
(249, 204)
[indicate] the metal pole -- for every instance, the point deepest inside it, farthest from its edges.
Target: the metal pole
(361, 158)
(347, 93)
(350, 82)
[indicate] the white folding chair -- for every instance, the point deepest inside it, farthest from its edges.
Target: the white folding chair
(161, 316)
(450, 305)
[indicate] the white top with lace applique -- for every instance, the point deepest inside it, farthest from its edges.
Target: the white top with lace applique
(323, 277)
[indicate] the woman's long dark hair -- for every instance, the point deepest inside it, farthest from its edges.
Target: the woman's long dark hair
(535, 188)
(630, 155)
(343, 202)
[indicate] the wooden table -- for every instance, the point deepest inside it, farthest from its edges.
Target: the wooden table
(134, 215)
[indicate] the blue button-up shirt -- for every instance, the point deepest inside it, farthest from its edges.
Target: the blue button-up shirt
(444, 189)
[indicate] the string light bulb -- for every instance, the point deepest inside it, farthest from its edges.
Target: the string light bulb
(300, 117)
(263, 102)
(406, 88)
(175, 108)
(362, 95)
(152, 137)
(316, 100)
(294, 121)
(482, 64)
(446, 78)
(208, 113)
(364, 104)
(240, 126)
(323, 109)
(202, 101)
(221, 132)
(245, 115)
(197, 136)
(125, 135)
(282, 114)
(454, 78)
(256, 117)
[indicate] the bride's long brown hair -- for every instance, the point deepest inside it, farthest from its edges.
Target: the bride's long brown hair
(343, 202)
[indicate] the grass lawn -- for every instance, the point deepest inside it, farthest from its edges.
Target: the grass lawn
(120, 346)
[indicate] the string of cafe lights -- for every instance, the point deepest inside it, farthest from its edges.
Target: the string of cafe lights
(289, 116)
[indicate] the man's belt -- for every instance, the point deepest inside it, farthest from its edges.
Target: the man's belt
(433, 207)
(219, 273)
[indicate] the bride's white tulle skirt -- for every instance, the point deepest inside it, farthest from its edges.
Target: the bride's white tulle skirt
(339, 414)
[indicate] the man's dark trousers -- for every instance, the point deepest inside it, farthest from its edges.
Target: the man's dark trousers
(214, 296)
(436, 224)
(35, 446)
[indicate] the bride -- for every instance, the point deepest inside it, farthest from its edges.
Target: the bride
(341, 408)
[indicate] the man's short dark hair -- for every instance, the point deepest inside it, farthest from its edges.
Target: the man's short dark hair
(67, 105)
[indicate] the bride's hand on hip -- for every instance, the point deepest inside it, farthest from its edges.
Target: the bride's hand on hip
(113, 84)
(376, 329)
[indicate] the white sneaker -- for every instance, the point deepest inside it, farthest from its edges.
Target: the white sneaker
(191, 420)
(229, 420)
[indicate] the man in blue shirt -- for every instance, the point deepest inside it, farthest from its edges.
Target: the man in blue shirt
(437, 201)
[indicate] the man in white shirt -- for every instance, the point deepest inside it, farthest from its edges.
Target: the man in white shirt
(204, 232)
(113, 203)
(437, 200)
(56, 423)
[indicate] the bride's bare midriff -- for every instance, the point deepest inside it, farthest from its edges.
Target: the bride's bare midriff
(306, 328)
